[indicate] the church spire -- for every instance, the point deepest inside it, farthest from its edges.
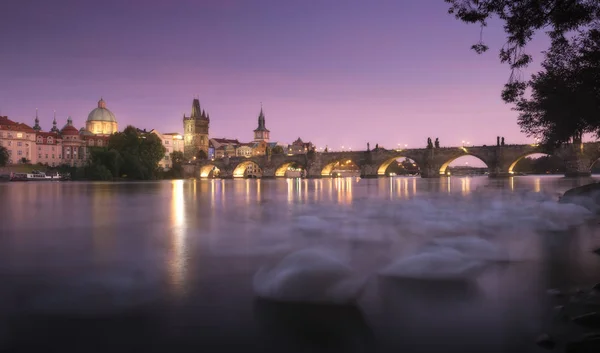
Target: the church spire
(37, 127)
(54, 128)
(196, 112)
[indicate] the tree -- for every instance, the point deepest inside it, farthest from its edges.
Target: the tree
(176, 171)
(128, 154)
(277, 150)
(522, 20)
(565, 96)
(4, 156)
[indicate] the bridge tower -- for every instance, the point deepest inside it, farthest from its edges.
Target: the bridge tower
(195, 133)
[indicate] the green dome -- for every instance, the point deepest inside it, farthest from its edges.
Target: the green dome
(101, 113)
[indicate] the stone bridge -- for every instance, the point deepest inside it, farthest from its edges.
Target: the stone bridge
(433, 162)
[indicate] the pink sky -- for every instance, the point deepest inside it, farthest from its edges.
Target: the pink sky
(387, 72)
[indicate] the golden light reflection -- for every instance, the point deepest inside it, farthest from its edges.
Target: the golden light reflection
(247, 192)
(318, 184)
(178, 263)
(511, 183)
(414, 186)
(465, 186)
(536, 185)
(343, 187)
(103, 234)
(290, 190)
(258, 183)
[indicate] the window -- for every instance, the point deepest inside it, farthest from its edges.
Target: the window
(19, 153)
(52, 148)
(9, 143)
(19, 144)
(19, 135)
(46, 156)
(39, 139)
(59, 156)
(39, 148)
(166, 142)
(40, 155)
(52, 156)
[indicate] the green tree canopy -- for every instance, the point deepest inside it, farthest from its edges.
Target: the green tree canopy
(543, 114)
(129, 154)
(4, 156)
(565, 96)
(277, 150)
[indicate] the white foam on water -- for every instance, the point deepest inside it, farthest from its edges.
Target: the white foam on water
(311, 276)
(465, 233)
(443, 263)
(473, 248)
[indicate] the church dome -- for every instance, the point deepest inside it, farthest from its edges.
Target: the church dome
(101, 113)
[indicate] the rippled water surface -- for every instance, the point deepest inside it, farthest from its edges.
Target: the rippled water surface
(170, 266)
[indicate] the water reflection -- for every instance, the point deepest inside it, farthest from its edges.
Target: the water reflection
(178, 261)
(343, 186)
(103, 234)
(465, 185)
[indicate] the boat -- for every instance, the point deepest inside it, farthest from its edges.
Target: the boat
(36, 176)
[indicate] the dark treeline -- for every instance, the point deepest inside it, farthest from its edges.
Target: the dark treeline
(541, 165)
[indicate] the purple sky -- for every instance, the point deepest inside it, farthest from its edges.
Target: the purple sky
(332, 72)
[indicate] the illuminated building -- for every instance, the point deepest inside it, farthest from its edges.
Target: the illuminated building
(173, 142)
(18, 139)
(195, 133)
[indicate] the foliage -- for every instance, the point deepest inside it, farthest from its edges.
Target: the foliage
(4, 156)
(129, 154)
(76, 173)
(543, 114)
(565, 97)
(542, 165)
(277, 150)
(176, 171)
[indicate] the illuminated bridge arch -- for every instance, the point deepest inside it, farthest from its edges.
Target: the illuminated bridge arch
(240, 169)
(328, 169)
(209, 170)
(386, 164)
(512, 166)
(444, 166)
(282, 169)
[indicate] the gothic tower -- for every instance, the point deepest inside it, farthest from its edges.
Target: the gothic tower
(195, 133)
(261, 133)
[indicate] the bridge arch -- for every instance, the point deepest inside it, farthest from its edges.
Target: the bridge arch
(386, 164)
(512, 166)
(241, 170)
(209, 170)
(283, 168)
(444, 167)
(339, 163)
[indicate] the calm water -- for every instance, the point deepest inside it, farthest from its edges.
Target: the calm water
(168, 266)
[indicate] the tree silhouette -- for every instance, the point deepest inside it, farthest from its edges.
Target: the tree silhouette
(4, 156)
(565, 95)
(277, 150)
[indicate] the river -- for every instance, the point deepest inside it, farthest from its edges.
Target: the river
(168, 266)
